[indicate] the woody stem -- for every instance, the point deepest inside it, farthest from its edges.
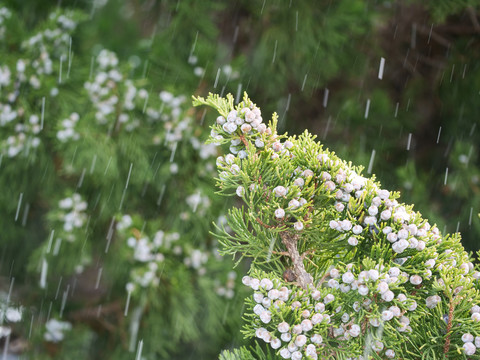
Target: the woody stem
(290, 241)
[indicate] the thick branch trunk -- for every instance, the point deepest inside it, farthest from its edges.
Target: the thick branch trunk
(290, 240)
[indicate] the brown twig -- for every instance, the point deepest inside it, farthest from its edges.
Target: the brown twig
(284, 253)
(308, 252)
(364, 326)
(265, 225)
(290, 240)
(446, 347)
(245, 142)
(322, 280)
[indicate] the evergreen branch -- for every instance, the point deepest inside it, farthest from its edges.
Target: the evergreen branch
(290, 241)
(370, 248)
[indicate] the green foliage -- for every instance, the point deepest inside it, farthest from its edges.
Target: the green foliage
(100, 113)
(341, 268)
(108, 178)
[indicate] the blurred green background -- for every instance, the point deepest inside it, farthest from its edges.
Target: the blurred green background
(316, 63)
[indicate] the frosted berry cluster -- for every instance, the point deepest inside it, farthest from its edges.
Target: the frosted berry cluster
(55, 330)
(112, 95)
(176, 124)
(25, 138)
(121, 104)
(72, 213)
(67, 131)
(43, 52)
(294, 322)
(198, 202)
(10, 315)
(150, 252)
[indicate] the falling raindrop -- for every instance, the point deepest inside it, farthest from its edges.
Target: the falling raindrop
(274, 51)
(134, 326)
(56, 248)
(92, 61)
(381, 68)
(470, 217)
(80, 180)
(127, 304)
(439, 132)
(49, 310)
(18, 206)
(42, 115)
(109, 235)
(367, 108)
(304, 81)
(43, 274)
(327, 127)
(99, 276)
(49, 246)
(10, 290)
(235, 34)
(409, 141)
(64, 300)
(451, 74)
(160, 197)
(60, 70)
(239, 93)
(473, 129)
(145, 69)
(58, 287)
(430, 34)
(270, 248)
(406, 58)
(368, 346)
(108, 165)
(325, 96)
(25, 214)
(5, 348)
(128, 177)
(31, 327)
(74, 155)
(172, 155)
(370, 164)
(216, 79)
(70, 56)
(396, 109)
(94, 160)
(145, 103)
(202, 119)
(446, 176)
(139, 350)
